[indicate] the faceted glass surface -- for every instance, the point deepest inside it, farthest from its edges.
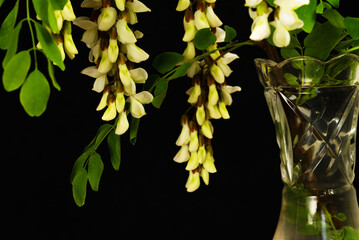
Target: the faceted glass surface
(314, 107)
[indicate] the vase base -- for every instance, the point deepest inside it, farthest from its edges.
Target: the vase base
(332, 214)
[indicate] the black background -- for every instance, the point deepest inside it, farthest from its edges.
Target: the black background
(147, 197)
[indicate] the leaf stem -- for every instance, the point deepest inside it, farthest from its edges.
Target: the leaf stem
(29, 19)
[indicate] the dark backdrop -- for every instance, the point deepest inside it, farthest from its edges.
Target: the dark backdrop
(147, 197)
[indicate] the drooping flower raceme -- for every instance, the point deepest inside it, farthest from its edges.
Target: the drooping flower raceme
(285, 19)
(63, 38)
(114, 53)
(209, 95)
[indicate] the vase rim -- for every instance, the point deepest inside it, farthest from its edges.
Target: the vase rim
(273, 63)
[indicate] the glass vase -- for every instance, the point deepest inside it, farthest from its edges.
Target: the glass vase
(314, 107)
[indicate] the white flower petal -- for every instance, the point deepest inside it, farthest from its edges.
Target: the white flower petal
(144, 97)
(182, 155)
(124, 33)
(137, 6)
(122, 124)
(92, 71)
(212, 18)
(182, 5)
(136, 54)
(137, 109)
(139, 75)
(100, 83)
(200, 20)
(107, 18)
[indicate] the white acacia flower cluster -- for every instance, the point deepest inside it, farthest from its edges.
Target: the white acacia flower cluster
(209, 94)
(64, 39)
(114, 53)
(285, 19)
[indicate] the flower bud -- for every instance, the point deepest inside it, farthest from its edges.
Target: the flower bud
(205, 176)
(113, 50)
(190, 51)
(103, 102)
(111, 110)
(213, 111)
(184, 136)
(105, 64)
(125, 75)
(213, 96)
(193, 181)
(193, 161)
(201, 154)
(217, 74)
(107, 18)
(195, 93)
(69, 44)
(120, 102)
(223, 110)
(182, 5)
(200, 20)
(59, 19)
(183, 155)
(200, 114)
(68, 12)
(193, 140)
(209, 163)
(120, 4)
(190, 31)
(207, 129)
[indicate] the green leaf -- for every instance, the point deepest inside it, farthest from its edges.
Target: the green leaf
(7, 26)
(1, 2)
(334, 3)
(12, 49)
(350, 233)
(166, 61)
(291, 79)
(45, 11)
(320, 8)
(16, 71)
(58, 4)
(351, 24)
(101, 134)
(95, 169)
(35, 93)
(160, 92)
(204, 38)
(307, 13)
(289, 53)
(51, 71)
(231, 33)
(135, 123)
(49, 46)
(334, 18)
(79, 163)
(180, 71)
(114, 144)
(79, 185)
(322, 40)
